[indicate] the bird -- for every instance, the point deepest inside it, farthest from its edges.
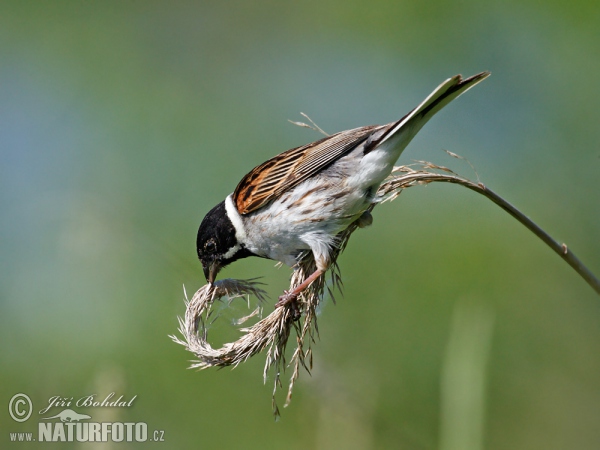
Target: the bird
(300, 200)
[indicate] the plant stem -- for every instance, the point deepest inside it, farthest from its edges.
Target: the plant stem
(560, 249)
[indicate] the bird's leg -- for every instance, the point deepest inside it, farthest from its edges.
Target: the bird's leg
(292, 296)
(365, 219)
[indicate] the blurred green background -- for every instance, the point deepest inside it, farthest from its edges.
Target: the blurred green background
(122, 123)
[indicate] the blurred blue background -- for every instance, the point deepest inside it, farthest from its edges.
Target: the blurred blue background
(123, 123)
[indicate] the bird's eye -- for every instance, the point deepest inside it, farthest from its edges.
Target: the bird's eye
(210, 246)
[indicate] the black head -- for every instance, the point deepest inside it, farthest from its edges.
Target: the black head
(216, 243)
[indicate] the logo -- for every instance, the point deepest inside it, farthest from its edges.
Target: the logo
(68, 415)
(69, 425)
(20, 407)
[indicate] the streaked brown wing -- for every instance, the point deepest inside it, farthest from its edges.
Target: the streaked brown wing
(281, 173)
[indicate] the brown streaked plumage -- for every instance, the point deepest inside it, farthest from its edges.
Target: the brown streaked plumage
(288, 169)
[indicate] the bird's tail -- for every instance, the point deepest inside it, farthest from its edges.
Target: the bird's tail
(414, 120)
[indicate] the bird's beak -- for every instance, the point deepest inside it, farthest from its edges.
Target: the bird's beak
(211, 271)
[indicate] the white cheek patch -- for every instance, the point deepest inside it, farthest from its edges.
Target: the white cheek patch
(236, 220)
(232, 251)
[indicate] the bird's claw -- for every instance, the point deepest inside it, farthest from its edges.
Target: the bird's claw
(286, 298)
(291, 299)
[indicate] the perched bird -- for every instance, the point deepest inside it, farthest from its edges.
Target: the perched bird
(301, 199)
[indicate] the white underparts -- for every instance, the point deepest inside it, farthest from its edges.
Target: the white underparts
(236, 220)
